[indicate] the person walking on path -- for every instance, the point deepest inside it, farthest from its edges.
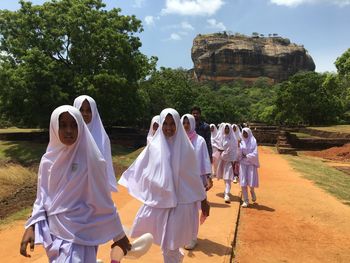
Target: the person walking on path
(165, 178)
(73, 212)
(227, 159)
(249, 164)
(203, 160)
(88, 108)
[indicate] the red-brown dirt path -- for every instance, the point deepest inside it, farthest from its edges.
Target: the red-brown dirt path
(293, 220)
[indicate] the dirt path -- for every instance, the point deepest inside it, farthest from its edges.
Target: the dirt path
(293, 221)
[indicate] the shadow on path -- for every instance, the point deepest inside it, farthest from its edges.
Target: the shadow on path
(210, 248)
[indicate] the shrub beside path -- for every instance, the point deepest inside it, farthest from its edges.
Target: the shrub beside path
(293, 221)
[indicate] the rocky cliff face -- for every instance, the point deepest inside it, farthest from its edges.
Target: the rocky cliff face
(221, 57)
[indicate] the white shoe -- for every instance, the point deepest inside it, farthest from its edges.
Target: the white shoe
(192, 245)
(139, 247)
(99, 261)
(245, 204)
(235, 179)
(227, 198)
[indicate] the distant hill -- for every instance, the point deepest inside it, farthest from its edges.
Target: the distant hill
(223, 58)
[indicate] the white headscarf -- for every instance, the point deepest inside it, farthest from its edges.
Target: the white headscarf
(229, 144)
(217, 142)
(151, 132)
(214, 133)
(192, 134)
(101, 138)
(200, 146)
(237, 132)
(249, 147)
(72, 195)
(166, 172)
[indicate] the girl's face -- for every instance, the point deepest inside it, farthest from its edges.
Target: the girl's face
(245, 134)
(186, 124)
(68, 129)
(212, 128)
(234, 128)
(169, 126)
(227, 130)
(155, 127)
(85, 111)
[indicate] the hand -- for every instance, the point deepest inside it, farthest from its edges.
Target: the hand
(123, 243)
(210, 184)
(205, 207)
(28, 237)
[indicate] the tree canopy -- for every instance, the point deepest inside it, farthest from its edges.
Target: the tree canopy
(53, 52)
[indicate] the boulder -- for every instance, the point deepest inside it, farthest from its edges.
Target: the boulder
(221, 57)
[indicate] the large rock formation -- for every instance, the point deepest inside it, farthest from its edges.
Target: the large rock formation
(220, 57)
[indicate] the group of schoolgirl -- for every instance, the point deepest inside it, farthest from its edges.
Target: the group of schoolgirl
(235, 155)
(74, 213)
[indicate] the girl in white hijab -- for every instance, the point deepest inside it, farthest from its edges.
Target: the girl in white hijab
(249, 164)
(73, 212)
(229, 155)
(238, 135)
(153, 128)
(88, 109)
(201, 149)
(216, 143)
(165, 178)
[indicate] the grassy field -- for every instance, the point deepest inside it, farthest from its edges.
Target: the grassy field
(335, 128)
(22, 152)
(328, 178)
(15, 129)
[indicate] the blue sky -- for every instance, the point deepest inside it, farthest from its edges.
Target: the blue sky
(170, 26)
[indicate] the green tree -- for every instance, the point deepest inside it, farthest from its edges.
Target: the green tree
(343, 64)
(309, 98)
(169, 88)
(53, 52)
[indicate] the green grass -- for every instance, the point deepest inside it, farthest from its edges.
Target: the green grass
(19, 215)
(15, 129)
(328, 178)
(22, 152)
(123, 157)
(335, 128)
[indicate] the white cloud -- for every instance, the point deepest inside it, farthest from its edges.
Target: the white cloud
(216, 25)
(186, 26)
(192, 7)
(149, 20)
(175, 36)
(293, 3)
(138, 3)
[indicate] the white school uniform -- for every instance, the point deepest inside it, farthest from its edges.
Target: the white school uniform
(164, 177)
(200, 148)
(248, 174)
(73, 212)
(229, 154)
